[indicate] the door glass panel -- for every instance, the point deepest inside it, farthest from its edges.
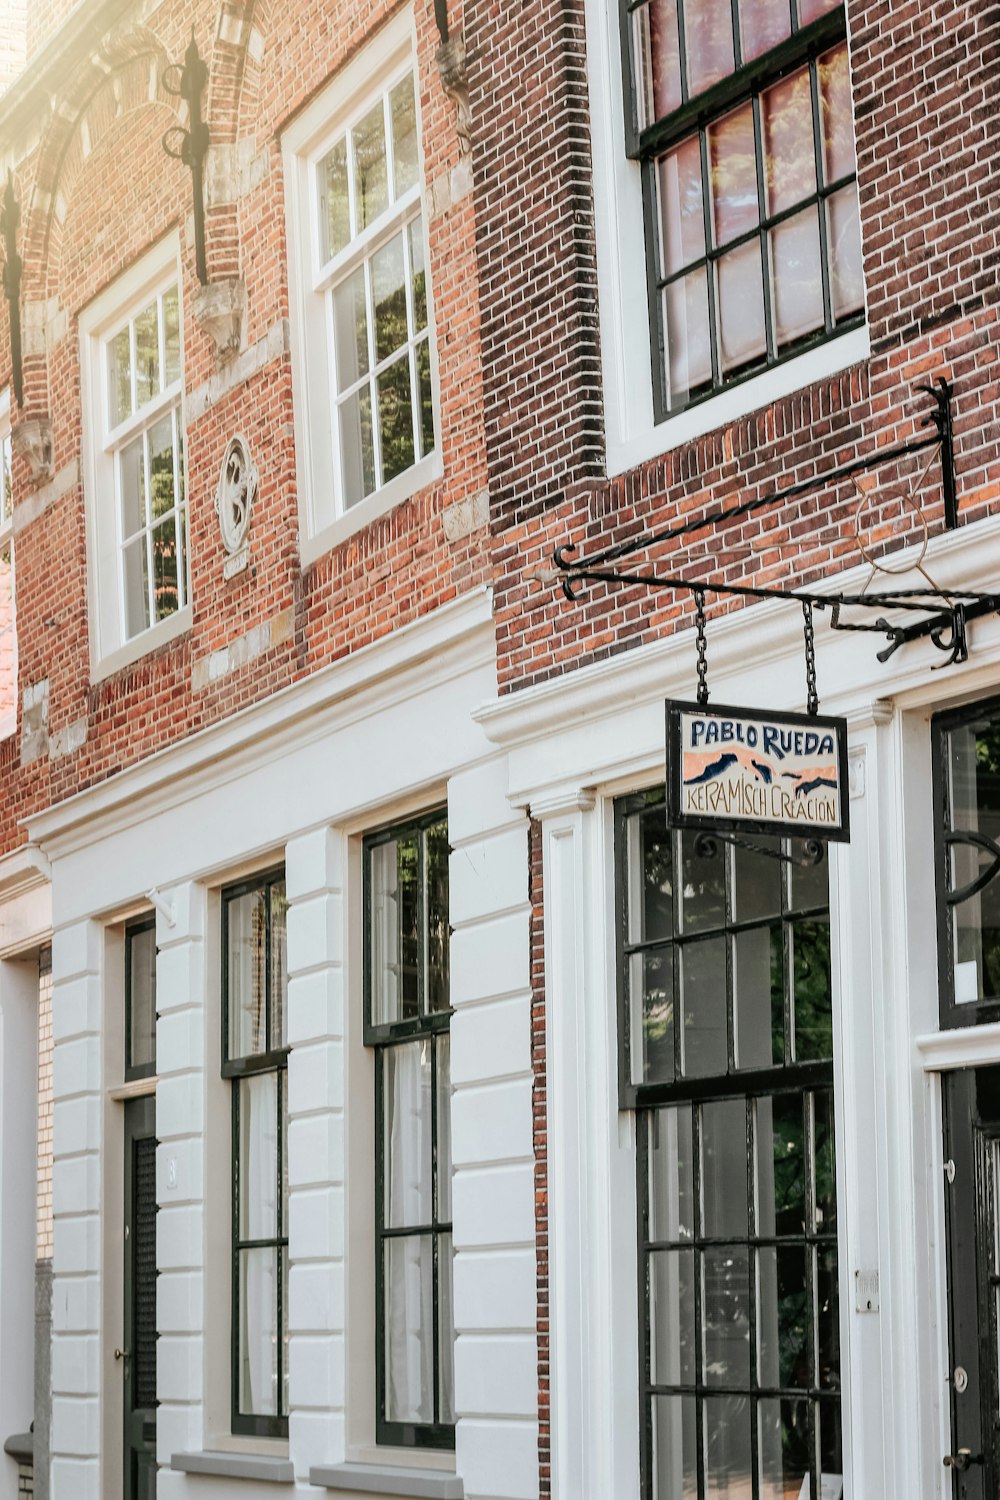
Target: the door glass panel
(971, 765)
(140, 946)
(407, 1135)
(726, 1315)
(728, 1468)
(724, 1169)
(675, 1448)
(651, 990)
(408, 1324)
(671, 1174)
(703, 1006)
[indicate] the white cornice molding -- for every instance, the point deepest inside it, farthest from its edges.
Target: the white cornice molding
(963, 1047)
(22, 871)
(770, 634)
(454, 638)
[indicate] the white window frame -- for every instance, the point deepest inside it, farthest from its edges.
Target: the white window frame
(153, 274)
(633, 435)
(8, 721)
(324, 520)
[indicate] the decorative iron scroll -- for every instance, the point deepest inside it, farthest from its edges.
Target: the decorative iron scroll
(941, 615)
(193, 142)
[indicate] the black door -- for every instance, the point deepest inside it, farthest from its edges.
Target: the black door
(139, 1353)
(972, 1172)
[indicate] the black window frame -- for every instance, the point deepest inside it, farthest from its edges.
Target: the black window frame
(133, 1072)
(953, 1014)
(803, 47)
(237, 1069)
(380, 1037)
(807, 1081)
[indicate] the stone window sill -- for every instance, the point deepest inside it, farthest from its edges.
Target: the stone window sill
(21, 1447)
(259, 1466)
(386, 1479)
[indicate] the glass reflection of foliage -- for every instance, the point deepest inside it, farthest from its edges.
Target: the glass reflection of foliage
(973, 781)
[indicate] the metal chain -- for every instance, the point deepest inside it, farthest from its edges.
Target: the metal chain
(699, 619)
(812, 696)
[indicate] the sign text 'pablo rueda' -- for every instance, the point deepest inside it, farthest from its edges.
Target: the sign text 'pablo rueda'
(743, 770)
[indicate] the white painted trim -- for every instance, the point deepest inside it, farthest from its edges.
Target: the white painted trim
(386, 669)
(964, 1047)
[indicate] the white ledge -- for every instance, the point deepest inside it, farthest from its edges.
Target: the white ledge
(959, 1047)
(386, 1479)
(261, 1467)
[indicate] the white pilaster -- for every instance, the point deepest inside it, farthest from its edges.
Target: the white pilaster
(77, 962)
(18, 1161)
(314, 875)
(181, 1239)
(496, 1358)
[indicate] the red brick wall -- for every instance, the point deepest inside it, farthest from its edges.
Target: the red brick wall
(97, 192)
(929, 183)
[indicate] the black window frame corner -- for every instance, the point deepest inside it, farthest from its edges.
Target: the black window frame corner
(132, 1073)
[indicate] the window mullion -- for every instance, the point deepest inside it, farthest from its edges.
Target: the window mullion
(699, 1310)
(737, 40)
(148, 538)
(765, 238)
(824, 248)
(681, 49)
(707, 208)
(372, 382)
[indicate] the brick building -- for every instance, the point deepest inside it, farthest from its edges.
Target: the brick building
(415, 1115)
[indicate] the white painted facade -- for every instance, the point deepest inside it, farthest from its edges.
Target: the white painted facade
(400, 727)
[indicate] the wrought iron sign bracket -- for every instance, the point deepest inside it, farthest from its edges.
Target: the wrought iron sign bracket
(939, 615)
(10, 215)
(813, 850)
(193, 142)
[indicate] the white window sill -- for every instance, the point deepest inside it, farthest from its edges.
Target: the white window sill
(428, 471)
(388, 1479)
(651, 441)
(260, 1467)
(141, 645)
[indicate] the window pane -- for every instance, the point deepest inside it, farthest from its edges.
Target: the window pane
(404, 135)
(389, 297)
(425, 397)
(136, 570)
(708, 30)
(785, 1316)
(781, 1180)
(682, 210)
(675, 1448)
(395, 939)
(334, 198)
(437, 991)
(658, 59)
(758, 998)
(825, 1158)
(741, 308)
(790, 154)
(446, 1329)
(797, 277)
(843, 229)
(671, 1174)
(161, 466)
(147, 356)
(132, 479)
(371, 184)
(830, 1444)
(357, 446)
(651, 997)
(407, 1141)
(705, 1048)
(688, 334)
(971, 757)
(671, 1317)
(836, 114)
(827, 1318)
(813, 1000)
(724, 1169)
(142, 997)
(163, 544)
(350, 325)
(395, 419)
(245, 973)
(728, 1468)
(726, 1315)
(702, 885)
(409, 1325)
(258, 1332)
(650, 877)
(783, 1428)
(258, 1157)
(811, 881)
(120, 376)
(443, 1164)
(415, 234)
(279, 963)
(763, 24)
(757, 882)
(172, 335)
(733, 167)
(811, 10)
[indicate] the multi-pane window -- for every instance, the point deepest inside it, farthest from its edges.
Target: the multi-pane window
(8, 639)
(967, 775)
(371, 269)
(140, 999)
(255, 1058)
(727, 1043)
(407, 1018)
(144, 439)
(742, 124)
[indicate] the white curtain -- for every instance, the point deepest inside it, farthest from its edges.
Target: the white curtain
(409, 1305)
(259, 1220)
